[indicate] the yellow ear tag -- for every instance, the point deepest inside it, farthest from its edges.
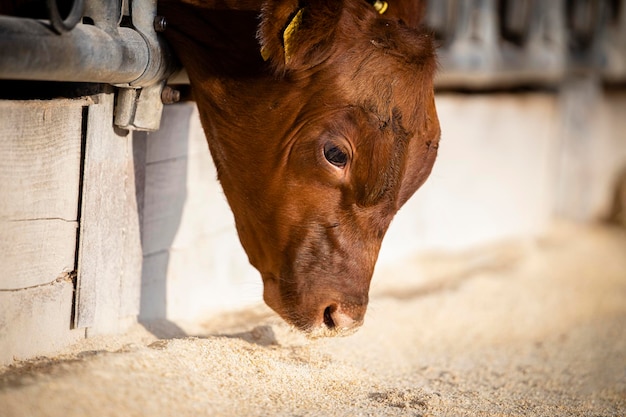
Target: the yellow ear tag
(265, 54)
(381, 6)
(289, 31)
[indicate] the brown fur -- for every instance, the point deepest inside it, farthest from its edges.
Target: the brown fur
(355, 80)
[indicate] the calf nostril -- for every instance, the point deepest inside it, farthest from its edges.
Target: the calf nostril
(336, 317)
(328, 319)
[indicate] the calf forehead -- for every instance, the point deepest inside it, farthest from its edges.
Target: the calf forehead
(387, 89)
(387, 67)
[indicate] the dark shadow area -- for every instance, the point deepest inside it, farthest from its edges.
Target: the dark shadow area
(163, 328)
(22, 373)
(260, 335)
(34, 9)
(47, 90)
(617, 212)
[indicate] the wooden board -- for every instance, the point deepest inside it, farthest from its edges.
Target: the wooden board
(40, 144)
(37, 321)
(36, 252)
(40, 165)
(109, 260)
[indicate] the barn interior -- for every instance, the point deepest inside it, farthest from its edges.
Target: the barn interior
(500, 287)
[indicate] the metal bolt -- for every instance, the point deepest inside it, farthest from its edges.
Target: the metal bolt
(160, 23)
(170, 95)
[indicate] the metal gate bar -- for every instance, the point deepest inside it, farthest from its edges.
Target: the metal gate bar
(31, 51)
(115, 43)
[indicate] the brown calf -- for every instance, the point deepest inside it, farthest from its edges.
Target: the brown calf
(319, 146)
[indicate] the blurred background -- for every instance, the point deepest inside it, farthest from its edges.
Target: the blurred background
(530, 96)
(117, 214)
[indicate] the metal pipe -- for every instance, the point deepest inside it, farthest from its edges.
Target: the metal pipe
(106, 15)
(160, 63)
(30, 50)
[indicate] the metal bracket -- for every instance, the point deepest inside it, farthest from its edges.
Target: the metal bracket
(139, 109)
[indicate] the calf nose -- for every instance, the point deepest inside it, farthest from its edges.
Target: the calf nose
(343, 317)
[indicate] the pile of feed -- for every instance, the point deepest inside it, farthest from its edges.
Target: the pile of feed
(525, 328)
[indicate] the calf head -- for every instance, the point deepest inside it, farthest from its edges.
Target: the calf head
(325, 149)
(363, 138)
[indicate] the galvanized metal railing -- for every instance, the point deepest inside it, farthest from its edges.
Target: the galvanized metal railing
(92, 45)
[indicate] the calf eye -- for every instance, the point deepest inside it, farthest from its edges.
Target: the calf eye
(335, 155)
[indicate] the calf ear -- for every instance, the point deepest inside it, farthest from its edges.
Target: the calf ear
(296, 35)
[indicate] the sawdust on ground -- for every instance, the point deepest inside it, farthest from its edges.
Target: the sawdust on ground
(533, 328)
